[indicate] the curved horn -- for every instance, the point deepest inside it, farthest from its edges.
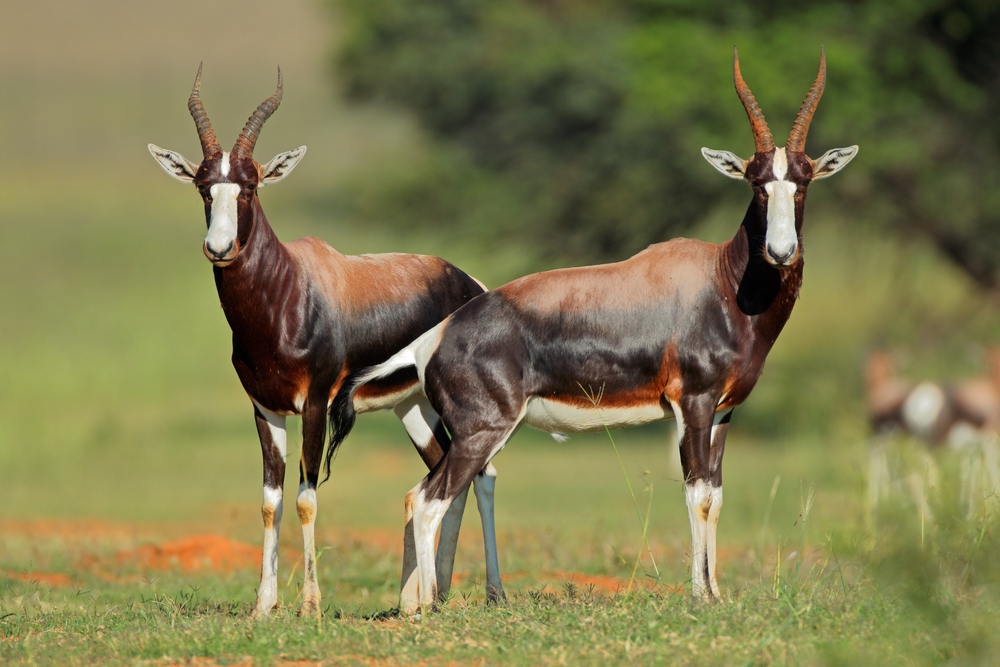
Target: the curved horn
(248, 137)
(797, 138)
(209, 144)
(763, 141)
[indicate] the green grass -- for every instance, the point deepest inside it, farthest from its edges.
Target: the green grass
(122, 415)
(898, 604)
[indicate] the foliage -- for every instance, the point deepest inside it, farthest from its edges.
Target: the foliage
(577, 125)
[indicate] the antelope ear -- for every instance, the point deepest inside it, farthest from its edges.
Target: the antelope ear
(174, 164)
(727, 163)
(281, 165)
(833, 161)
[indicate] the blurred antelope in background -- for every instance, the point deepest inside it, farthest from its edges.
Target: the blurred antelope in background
(681, 330)
(962, 416)
(303, 317)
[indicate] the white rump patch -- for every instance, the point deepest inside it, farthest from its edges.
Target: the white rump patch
(923, 407)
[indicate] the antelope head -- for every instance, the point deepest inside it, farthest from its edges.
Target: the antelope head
(228, 181)
(780, 175)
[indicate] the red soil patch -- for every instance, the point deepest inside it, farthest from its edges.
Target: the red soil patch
(78, 530)
(600, 582)
(171, 545)
(339, 660)
(193, 553)
(44, 578)
(247, 662)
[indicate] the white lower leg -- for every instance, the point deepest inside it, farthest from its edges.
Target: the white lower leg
(267, 592)
(427, 516)
(270, 509)
(409, 600)
(444, 563)
(712, 526)
(485, 485)
(306, 507)
(698, 497)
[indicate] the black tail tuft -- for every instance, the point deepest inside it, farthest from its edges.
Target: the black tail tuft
(342, 418)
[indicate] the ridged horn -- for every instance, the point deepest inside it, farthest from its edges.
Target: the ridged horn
(248, 137)
(209, 144)
(797, 138)
(763, 141)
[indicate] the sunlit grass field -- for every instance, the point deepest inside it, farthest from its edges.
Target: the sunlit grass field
(123, 416)
(125, 427)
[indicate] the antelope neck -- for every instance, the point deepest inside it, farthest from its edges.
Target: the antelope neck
(763, 293)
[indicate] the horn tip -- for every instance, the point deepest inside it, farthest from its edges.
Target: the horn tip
(197, 79)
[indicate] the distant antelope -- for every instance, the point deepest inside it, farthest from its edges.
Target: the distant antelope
(937, 412)
(303, 317)
(962, 416)
(680, 330)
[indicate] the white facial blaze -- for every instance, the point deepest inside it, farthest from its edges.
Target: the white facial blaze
(223, 227)
(781, 239)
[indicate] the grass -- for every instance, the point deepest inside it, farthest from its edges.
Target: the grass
(858, 608)
(124, 424)
(826, 590)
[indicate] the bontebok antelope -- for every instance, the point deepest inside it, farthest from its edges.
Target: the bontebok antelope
(303, 317)
(680, 330)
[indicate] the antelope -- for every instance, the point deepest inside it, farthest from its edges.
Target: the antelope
(961, 418)
(680, 330)
(303, 317)
(936, 412)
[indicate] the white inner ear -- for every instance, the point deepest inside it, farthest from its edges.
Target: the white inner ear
(174, 164)
(223, 226)
(727, 163)
(833, 161)
(281, 165)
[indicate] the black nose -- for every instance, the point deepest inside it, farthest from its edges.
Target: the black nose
(219, 254)
(781, 258)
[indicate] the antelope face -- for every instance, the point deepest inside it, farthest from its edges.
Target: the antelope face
(780, 175)
(228, 194)
(780, 196)
(780, 180)
(228, 185)
(228, 181)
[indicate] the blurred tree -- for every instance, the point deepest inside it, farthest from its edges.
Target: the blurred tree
(575, 125)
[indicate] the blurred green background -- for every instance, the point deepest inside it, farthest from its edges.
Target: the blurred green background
(507, 136)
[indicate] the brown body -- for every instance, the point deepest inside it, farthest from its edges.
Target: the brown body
(680, 330)
(303, 317)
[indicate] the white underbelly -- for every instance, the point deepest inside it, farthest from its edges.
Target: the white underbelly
(564, 418)
(383, 401)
